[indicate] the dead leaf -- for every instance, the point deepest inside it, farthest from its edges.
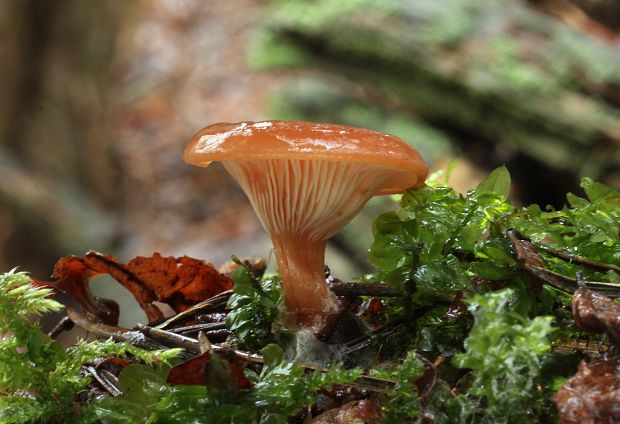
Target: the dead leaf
(73, 275)
(525, 251)
(596, 313)
(195, 371)
(113, 364)
(363, 411)
(591, 396)
(181, 282)
(256, 266)
(527, 256)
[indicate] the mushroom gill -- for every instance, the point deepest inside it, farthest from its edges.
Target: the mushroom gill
(301, 204)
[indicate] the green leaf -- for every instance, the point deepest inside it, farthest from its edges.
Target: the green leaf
(272, 355)
(253, 308)
(497, 182)
(597, 191)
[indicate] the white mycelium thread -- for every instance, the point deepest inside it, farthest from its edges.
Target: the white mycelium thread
(306, 199)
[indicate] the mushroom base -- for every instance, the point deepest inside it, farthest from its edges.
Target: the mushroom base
(302, 268)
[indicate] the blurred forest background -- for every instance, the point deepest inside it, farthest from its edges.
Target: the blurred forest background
(99, 97)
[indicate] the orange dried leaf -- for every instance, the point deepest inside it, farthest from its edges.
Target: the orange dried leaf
(190, 372)
(195, 371)
(181, 282)
(73, 277)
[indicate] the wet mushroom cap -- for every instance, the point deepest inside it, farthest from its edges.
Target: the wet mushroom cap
(307, 140)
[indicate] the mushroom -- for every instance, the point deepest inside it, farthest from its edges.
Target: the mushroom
(306, 181)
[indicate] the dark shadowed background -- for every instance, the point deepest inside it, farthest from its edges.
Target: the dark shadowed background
(99, 98)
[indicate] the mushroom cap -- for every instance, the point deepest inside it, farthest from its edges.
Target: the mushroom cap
(309, 141)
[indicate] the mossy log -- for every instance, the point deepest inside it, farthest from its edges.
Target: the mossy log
(495, 77)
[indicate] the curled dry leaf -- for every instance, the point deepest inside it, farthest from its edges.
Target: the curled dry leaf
(181, 282)
(596, 313)
(592, 395)
(73, 275)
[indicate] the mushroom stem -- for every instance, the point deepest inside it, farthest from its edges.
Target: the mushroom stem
(302, 267)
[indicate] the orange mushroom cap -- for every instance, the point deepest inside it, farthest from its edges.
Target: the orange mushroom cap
(305, 140)
(305, 181)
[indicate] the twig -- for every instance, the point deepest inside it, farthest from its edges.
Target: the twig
(163, 339)
(193, 345)
(570, 285)
(103, 381)
(110, 376)
(570, 257)
(367, 340)
(218, 302)
(65, 324)
(170, 339)
(364, 289)
(118, 334)
(531, 263)
(594, 349)
(198, 327)
(210, 305)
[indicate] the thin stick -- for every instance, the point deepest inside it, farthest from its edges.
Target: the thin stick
(569, 284)
(198, 327)
(367, 340)
(107, 385)
(570, 257)
(364, 289)
(165, 339)
(210, 305)
(118, 334)
(193, 345)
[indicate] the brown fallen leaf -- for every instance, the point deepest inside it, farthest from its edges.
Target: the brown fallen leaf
(525, 251)
(592, 395)
(527, 256)
(180, 282)
(363, 411)
(256, 266)
(112, 364)
(596, 313)
(201, 370)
